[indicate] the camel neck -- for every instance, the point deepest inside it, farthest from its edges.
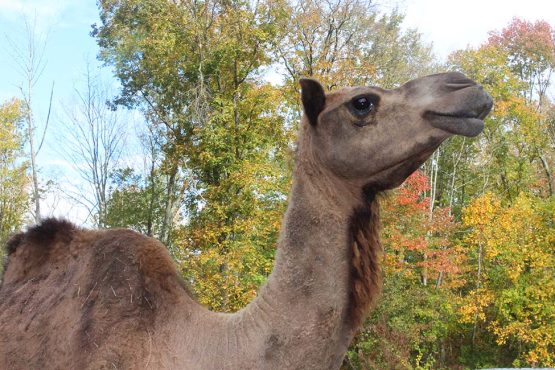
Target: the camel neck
(302, 315)
(306, 298)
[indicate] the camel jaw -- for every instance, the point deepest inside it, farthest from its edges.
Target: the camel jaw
(394, 175)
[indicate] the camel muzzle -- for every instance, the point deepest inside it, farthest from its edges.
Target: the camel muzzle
(463, 108)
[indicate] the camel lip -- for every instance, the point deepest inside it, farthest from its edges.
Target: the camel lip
(466, 121)
(467, 124)
(461, 115)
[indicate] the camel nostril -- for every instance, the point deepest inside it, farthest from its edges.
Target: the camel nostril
(460, 84)
(457, 81)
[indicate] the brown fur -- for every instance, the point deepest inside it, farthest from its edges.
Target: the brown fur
(116, 278)
(38, 241)
(113, 299)
(43, 235)
(14, 242)
(366, 248)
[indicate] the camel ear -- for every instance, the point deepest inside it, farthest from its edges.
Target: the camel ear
(313, 98)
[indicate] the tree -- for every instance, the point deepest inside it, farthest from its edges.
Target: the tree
(422, 269)
(191, 69)
(133, 202)
(512, 159)
(350, 41)
(30, 62)
(513, 283)
(14, 184)
(530, 50)
(136, 195)
(517, 153)
(222, 141)
(239, 201)
(95, 136)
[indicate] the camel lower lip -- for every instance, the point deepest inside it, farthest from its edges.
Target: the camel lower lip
(465, 126)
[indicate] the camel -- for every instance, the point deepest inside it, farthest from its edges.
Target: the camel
(113, 299)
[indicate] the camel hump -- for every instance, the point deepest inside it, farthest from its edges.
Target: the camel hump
(42, 235)
(28, 251)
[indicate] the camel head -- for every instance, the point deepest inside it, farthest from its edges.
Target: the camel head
(375, 138)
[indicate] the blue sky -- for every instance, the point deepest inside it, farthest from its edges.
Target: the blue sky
(449, 25)
(66, 25)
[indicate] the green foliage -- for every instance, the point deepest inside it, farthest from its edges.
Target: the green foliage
(498, 250)
(242, 182)
(14, 199)
(469, 241)
(510, 150)
(134, 203)
(408, 328)
(411, 324)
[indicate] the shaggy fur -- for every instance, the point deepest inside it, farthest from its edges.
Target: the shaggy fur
(114, 281)
(365, 268)
(38, 242)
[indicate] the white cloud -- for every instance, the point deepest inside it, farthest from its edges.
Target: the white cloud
(453, 25)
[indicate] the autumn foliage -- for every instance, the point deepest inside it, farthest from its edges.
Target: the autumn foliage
(509, 296)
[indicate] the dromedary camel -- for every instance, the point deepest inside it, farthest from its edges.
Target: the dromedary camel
(113, 299)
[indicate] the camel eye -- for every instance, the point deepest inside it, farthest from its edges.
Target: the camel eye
(362, 105)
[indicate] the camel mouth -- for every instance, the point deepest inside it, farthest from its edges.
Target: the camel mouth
(457, 124)
(468, 122)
